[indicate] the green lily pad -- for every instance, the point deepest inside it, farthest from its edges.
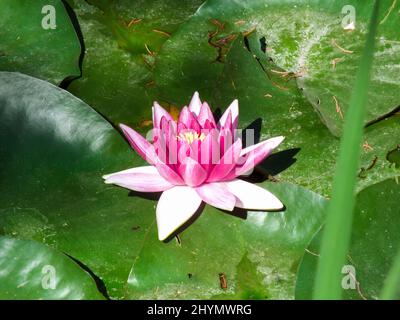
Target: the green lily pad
(30, 270)
(249, 282)
(332, 60)
(122, 39)
(54, 151)
(46, 53)
(286, 112)
(374, 244)
(378, 161)
(308, 153)
(219, 243)
(313, 47)
(393, 156)
(198, 56)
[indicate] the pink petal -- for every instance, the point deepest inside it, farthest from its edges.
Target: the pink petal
(192, 172)
(144, 148)
(209, 150)
(171, 143)
(176, 206)
(227, 162)
(255, 154)
(194, 150)
(228, 122)
(195, 104)
(189, 120)
(187, 150)
(226, 139)
(217, 195)
(209, 125)
(166, 144)
(160, 146)
(185, 117)
(168, 127)
(206, 114)
(144, 169)
(169, 174)
(143, 179)
(158, 113)
(181, 127)
(194, 125)
(252, 197)
(234, 110)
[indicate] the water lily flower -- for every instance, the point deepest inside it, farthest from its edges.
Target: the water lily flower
(196, 159)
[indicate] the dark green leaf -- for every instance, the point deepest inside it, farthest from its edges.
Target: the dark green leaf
(30, 270)
(221, 243)
(54, 150)
(188, 62)
(122, 39)
(305, 49)
(249, 282)
(29, 48)
(374, 244)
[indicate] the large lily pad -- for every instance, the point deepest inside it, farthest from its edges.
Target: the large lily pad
(30, 270)
(378, 158)
(374, 244)
(268, 244)
(53, 150)
(49, 54)
(198, 56)
(284, 111)
(312, 47)
(122, 39)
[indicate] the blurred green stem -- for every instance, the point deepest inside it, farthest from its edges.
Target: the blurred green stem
(392, 282)
(337, 231)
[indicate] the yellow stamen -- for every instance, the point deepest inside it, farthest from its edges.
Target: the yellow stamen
(191, 136)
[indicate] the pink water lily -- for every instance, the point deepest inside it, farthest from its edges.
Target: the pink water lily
(196, 159)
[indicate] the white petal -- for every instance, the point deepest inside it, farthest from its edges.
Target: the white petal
(273, 143)
(253, 197)
(195, 104)
(175, 207)
(142, 179)
(145, 169)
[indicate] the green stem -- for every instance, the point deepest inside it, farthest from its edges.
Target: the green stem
(337, 231)
(392, 282)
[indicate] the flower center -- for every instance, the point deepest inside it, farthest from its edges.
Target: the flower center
(190, 136)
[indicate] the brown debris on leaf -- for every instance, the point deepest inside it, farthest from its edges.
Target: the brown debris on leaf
(219, 41)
